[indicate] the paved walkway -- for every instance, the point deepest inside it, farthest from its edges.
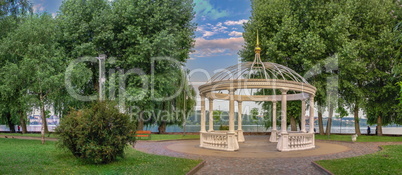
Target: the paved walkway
(258, 156)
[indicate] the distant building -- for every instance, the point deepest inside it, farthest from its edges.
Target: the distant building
(37, 120)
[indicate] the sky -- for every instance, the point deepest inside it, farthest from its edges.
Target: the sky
(218, 37)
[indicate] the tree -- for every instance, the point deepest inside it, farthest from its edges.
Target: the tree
(300, 35)
(150, 38)
(164, 30)
(11, 15)
(33, 52)
(373, 50)
(306, 35)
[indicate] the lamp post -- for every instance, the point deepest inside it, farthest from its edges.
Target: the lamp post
(101, 58)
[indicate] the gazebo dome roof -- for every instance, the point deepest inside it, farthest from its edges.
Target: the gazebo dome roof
(257, 75)
(258, 70)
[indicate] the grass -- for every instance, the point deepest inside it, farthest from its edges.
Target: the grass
(31, 157)
(29, 135)
(362, 138)
(153, 137)
(387, 161)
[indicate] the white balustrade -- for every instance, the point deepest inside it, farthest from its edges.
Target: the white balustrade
(297, 141)
(219, 140)
(216, 140)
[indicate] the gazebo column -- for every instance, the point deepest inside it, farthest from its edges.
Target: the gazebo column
(231, 110)
(303, 116)
(273, 137)
(211, 115)
(232, 140)
(284, 109)
(202, 114)
(312, 120)
(202, 130)
(283, 142)
(240, 136)
(311, 114)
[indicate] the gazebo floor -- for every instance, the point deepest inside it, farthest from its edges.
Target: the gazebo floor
(257, 147)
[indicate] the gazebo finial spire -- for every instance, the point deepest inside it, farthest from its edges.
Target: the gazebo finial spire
(257, 47)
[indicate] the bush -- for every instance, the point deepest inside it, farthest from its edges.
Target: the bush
(97, 134)
(224, 127)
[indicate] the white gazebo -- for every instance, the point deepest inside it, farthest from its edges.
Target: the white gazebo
(231, 83)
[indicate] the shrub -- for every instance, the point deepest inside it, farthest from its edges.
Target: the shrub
(224, 127)
(97, 134)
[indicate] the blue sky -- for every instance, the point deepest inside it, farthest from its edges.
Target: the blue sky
(218, 35)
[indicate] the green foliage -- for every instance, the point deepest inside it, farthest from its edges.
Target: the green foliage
(223, 127)
(387, 161)
(20, 156)
(254, 114)
(11, 103)
(11, 13)
(347, 49)
(134, 33)
(97, 134)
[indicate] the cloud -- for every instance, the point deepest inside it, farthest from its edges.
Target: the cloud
(38, 8)
(204, 9)
(208, 33)
(236, 34)
(239, 22)
(216, 47)
(219, 28)
(208, 30)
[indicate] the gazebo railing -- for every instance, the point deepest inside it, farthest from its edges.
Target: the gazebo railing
(296, 141)
(301, 141)
(219, 141)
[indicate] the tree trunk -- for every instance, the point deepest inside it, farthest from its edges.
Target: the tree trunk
(379, 126)
(162, 128)
(329, 122)
(43, 116)
(23, 122)
(320, 124)
(44, 122)
(10, 122)
(293, 124)
(300, 125)
(140, 124)
(356, 117)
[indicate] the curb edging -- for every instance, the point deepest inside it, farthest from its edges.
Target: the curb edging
(322, 169)
(196, 168)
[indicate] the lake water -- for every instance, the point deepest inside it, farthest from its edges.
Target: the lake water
(246, 128)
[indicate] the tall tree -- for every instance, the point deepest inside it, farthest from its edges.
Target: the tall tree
(299, 34)
(368, 59)
(305, 35)
(40, 61)
(12, 13)
(165, 30)
(149, 41)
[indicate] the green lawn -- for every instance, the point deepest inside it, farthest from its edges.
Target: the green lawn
(31, 157)
(27, 135)
(387, 161)
(362, 138)
(153, 137)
